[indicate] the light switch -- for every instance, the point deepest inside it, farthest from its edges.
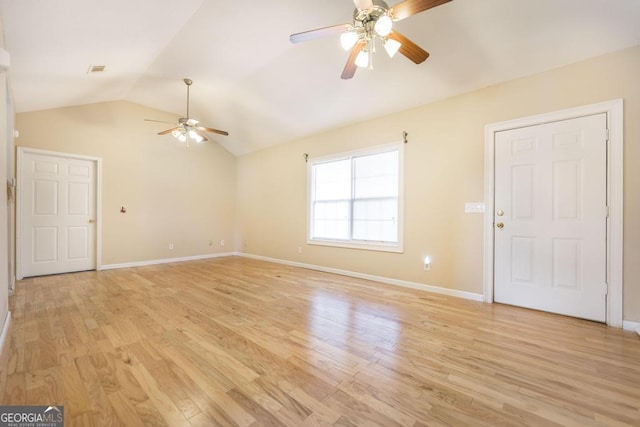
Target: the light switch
(474, 207)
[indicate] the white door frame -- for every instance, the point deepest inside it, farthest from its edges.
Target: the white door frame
(98, 192)
(614, 110)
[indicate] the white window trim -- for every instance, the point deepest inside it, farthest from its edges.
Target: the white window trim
(372, 246)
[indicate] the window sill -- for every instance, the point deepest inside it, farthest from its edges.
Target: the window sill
(380, 247)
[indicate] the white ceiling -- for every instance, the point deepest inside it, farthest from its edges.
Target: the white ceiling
(251, 81)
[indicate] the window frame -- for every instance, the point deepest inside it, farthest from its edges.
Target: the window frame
(398, 246)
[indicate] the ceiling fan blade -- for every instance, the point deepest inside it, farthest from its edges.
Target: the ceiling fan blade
(164, 132)
(211, 130)
(320, 32)
(159, 121)
(363, 4)
(351, 67)
(410, 7)
(409, 48)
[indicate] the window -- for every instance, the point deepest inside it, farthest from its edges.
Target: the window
(355, 199)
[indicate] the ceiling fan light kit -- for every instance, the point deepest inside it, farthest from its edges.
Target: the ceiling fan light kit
(391, 47)
(383, 25)
(188, 129)
(348, 39)
(373, 22)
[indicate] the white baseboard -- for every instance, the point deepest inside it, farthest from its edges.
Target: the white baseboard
(387, 280)
(164, 261)
(5, 332)
(628, 325)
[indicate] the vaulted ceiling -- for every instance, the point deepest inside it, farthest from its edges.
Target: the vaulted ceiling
(251, 81)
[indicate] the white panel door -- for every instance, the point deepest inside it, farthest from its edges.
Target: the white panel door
(550, 217)
(58, 214)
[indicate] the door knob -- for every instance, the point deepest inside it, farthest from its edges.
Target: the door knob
(500, 225)
(92, 221)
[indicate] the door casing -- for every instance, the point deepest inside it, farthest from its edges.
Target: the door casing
(19, 190)
(614, 274)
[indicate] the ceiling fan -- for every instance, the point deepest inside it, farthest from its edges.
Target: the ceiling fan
(373, 19)
(188, 129)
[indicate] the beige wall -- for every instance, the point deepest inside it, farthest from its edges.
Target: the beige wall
(443, 170)
(172, 194)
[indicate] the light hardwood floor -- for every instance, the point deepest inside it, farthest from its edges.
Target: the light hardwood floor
(234, 341)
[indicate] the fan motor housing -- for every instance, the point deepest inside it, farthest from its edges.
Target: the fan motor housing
(378, 9)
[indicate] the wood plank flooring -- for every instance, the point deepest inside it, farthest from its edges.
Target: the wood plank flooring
(235, 341)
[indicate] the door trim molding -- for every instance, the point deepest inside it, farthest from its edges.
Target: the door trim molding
(98, 192)
(615, 177)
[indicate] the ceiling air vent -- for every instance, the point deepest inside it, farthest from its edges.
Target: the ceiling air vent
(96, 69)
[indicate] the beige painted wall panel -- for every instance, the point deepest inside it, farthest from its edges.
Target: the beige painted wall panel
(172, 194)
(444, 168)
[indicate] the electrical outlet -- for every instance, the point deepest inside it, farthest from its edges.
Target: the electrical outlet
(170, 246)
(221, 242)
(210, 242)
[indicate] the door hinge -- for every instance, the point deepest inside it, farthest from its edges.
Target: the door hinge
(606, 211)
(606, 288)
(11, 192)
(606, 133)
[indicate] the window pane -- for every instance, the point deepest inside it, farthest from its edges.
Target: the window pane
(375, 220)
(331, 220)
(333, 180)
(376, 175)
(355, 200)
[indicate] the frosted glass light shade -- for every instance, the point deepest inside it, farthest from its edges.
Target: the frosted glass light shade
(180, 135)
(363, 4)
(392, 46)
(195, 136)
(348, 39)
(383, 26)
(362, 60)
